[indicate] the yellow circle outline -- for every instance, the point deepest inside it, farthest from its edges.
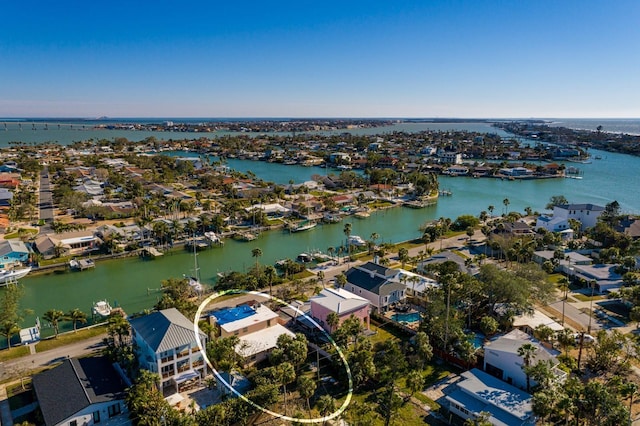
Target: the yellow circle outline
(196, 331)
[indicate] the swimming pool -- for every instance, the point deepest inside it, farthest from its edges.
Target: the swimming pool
(408, 317)
(227, 315)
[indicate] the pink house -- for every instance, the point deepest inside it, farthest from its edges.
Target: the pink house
(341, 302)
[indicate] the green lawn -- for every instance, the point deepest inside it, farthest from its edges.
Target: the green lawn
(15, 352)
(584, 298)
(67, 338)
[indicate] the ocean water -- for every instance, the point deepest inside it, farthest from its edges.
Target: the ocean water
(629, 126)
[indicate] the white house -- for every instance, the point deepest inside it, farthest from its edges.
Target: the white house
(479, 392)
(587, 214)
(165, 344)
(449, 157)
(501, 358)
(416, 285)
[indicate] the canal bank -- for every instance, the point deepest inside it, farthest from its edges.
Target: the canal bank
(134, 283)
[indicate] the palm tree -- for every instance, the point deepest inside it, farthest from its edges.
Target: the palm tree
(341, 280)
(271, 273)
(490, 208)
(307, 387)
(506, 203)
(320, 276)
(286, 374)
(54, 316)
(331, 251)
(8, 329)
(256, 252)
(326, 405)
(347, 233)
(527, 352)
(403, 256)
(333, 319)
(76, 316)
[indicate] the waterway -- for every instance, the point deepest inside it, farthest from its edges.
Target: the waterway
(133, 283)
(68, 133)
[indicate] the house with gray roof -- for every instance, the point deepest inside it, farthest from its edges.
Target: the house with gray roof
(377, 284)
(166, 344)
(447, 256)
(84, 391)
(479, 392)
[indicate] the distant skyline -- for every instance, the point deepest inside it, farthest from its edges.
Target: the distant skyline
(412, 58)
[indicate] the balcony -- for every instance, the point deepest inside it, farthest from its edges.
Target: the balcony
(167, 359)
(183, 354)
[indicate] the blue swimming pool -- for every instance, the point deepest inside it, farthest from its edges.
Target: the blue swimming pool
(227, 315)
(408, 317)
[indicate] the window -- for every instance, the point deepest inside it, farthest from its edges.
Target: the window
(73, 423)
(96, 417)
(268, 323)
(244, 330)
(114, 409)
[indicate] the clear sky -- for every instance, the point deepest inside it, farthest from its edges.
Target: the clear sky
(347, 58)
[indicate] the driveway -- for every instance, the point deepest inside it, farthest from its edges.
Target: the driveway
(46, 199)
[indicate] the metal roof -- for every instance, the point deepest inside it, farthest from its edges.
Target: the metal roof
(165, 330)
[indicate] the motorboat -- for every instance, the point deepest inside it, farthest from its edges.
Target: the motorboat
(355, 240)
(12, 275)
(101, 308)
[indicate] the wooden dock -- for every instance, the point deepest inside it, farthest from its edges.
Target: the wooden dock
(151, 251)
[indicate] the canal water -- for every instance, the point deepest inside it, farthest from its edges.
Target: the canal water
(133, 283)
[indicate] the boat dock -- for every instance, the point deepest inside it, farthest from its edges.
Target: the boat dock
(151, 251)
(81, 264)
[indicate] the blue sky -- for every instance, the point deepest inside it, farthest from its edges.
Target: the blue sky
(349, 58)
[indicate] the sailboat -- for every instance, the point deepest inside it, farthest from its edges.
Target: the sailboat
(194, 280)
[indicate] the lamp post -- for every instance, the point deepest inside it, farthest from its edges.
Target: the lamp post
(593, 286)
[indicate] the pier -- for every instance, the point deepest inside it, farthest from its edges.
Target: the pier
(150, 251)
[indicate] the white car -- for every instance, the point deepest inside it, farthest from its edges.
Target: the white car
(587, 338)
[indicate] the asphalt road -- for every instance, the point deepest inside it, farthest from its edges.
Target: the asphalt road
(14, 369)
(46, 197)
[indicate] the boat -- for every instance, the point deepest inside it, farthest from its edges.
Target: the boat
(194, 280)
(304, 258)
(355, 240)
(213, 238)
(303, 226)
(331, 218)
(8, 276)
(101, 308)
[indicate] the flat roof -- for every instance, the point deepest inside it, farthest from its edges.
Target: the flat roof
(536, 319)
(261, 340)
(227, 315)
(497, 394)
(339, 300)
(262, 314)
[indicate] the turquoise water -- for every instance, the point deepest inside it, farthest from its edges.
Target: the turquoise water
(410, 317)
(133, 283)
(478, 340)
